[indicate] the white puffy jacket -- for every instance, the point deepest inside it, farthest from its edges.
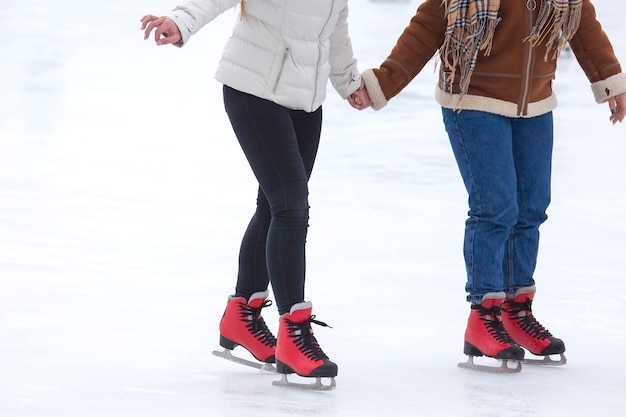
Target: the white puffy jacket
(281, 50)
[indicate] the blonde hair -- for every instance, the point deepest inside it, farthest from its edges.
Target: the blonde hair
(243, 8)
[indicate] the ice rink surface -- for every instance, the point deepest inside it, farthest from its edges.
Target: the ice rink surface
(124, 196)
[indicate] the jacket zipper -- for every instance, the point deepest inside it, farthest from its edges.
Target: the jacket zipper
(280, 70)
(526, 75)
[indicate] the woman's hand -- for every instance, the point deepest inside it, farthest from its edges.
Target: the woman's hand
(617, 105)
(166, 30)
(360, 99)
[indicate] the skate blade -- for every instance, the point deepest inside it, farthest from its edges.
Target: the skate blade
(502, 369)
(225, 354)
(547, 361)
(313, 386)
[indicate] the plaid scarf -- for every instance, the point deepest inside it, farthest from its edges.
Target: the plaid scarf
(471, 25)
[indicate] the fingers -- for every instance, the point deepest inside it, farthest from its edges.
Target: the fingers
(147, 19)
(353, 102)
(359, 100)
(160, 31)
(366, 98)
(618, 116)
(149, 23)
(362, 98)
(617, 105)
(169, 36)
(165, 31)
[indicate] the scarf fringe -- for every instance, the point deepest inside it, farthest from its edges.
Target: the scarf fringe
(556, 24)
(477, 38)
(471, 27)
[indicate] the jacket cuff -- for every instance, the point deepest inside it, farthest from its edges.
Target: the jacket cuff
(185, 27)
(349, 86)
(373, 89)
(610, 87)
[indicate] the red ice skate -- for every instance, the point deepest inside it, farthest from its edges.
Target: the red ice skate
(485, 336)
(520, 323)
(298, 351)
(243, 325)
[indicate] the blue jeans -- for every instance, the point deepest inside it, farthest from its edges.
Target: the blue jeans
(506, 166)
(280, 145)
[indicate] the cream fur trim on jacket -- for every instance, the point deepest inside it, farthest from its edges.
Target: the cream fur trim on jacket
(373, 89)
(611, 87)
(470, 102)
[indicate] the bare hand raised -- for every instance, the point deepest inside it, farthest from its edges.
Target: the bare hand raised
(165, 32)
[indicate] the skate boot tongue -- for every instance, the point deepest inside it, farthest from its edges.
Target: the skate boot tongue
(301, 312)
(257, 299)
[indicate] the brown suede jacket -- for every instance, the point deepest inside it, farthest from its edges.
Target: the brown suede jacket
(514, 80)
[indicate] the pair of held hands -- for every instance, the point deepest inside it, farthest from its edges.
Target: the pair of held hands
(166, 32)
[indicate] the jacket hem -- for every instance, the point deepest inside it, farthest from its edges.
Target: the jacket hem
(493, 105)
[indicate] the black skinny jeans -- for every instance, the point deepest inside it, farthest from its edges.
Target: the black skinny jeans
(280, 145)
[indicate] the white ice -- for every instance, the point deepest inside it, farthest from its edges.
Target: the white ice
(124, 195)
